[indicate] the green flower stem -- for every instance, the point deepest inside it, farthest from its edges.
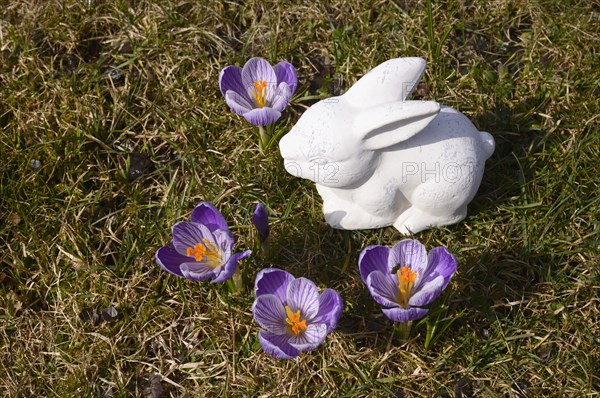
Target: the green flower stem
(402, 329)
(230, 286)
(264, 137)
(429, 334)
(235, 284)
(238, 282)
(265, 246)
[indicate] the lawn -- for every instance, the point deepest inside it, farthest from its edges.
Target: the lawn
(113, 127)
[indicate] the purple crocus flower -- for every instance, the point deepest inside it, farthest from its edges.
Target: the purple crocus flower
(292, 313)
(258, 91)
(260, 219)
(405, 278)
(202, 248)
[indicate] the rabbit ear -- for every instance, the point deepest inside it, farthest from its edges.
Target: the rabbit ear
(385, 125)
(393, 80)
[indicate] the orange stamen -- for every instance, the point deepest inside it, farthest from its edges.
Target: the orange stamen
(206, 251)
(260, 93)
(197, 251)
(293, 320)
(406, 279)
(212, 254)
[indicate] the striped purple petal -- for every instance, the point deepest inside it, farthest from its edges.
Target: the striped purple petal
(272, 90)
(427, 292)
(230, 79)
(170, 260)
(230, 266)
(262, 116)
(409, 253)
(399, 314)
(383, 290)
(439, 262)
(207, 214)
(273, 281)
(281, 97)
(373, 258)
(258, 69)
(188, 235)
(309, 339)
(196, 271)
(302, 294)
(269, 313)
(286, 72)
(277, 345)
(330, 309)
(224, 242)
(237, 103)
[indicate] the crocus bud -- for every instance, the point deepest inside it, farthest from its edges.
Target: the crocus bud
(260, 219)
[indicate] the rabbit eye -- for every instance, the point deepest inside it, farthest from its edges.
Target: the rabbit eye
(319, 161)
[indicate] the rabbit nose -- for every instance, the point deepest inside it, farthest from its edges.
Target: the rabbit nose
(288, 147)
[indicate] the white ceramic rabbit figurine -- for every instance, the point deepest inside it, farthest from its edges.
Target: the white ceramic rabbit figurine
(379, 159)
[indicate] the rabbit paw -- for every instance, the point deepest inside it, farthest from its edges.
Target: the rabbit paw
(415, 220)
(351, 216)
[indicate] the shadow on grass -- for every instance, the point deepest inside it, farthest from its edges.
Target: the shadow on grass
(509, 168)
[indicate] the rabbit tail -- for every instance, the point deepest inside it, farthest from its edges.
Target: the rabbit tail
(488, 143)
